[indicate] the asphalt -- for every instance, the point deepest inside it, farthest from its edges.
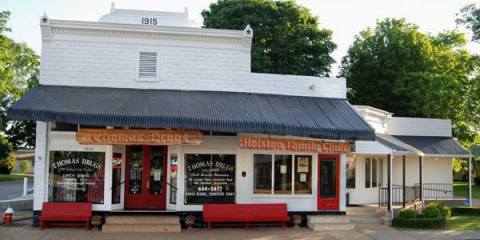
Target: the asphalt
(13, 189)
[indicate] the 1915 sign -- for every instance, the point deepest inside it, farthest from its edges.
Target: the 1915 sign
(209, 178)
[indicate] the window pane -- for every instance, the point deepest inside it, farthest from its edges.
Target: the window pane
(374, 172)
(116, 177)
(350, 172)
(328, 178)
(303, 174)
(380, 172)
(63, 127)
(262, 173)
(76, 176)
(136, 169)
(283, 174)
(209, 178)
(156, 170)
(367, 172)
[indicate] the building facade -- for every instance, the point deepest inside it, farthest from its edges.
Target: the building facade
(142, 111)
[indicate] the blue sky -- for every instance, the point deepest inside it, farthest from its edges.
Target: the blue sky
(344, 17)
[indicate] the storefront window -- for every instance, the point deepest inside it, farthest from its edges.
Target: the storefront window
(76, 176)
(288, 176)
(209, 178)
(350, 172)
(373, 172)
(303, 174)
(262, 173)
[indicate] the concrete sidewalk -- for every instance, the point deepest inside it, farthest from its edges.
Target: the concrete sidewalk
(361, 232)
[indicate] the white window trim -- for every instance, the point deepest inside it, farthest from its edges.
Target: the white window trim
(379, 173)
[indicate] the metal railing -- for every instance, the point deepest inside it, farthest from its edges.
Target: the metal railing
(412, 194)
(430, 191)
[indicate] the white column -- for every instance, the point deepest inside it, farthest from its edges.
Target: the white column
(40, 182)
(470, 181)
(343, 182)
(107, 191)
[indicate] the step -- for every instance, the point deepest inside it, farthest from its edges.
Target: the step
(361, 210)
(363, 215)
(331, 226)
(314, 219)
(139, 219)
(365, 220)
(141, 228)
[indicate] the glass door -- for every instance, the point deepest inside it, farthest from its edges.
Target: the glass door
(328, 182)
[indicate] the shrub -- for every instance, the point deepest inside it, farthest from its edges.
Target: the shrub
(25, 166)
(419, 222)
(465, 211)
(432, 211)
(444, 209)
(407, 213)
(7, 165)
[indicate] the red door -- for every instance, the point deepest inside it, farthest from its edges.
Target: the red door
(146, 177)
(328, 182)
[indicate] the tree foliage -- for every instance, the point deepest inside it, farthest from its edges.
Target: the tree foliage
(470, 17)
(397, 68)
(286, 40)
(19, 71)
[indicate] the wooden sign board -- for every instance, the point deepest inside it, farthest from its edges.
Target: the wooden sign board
(294, 145)
(138, 137)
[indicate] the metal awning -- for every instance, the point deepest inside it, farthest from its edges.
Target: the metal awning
(398, 147)
(202, 110)
(435, 146)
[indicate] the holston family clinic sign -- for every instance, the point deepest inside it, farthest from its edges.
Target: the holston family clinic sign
(294, 145)
(138, 137)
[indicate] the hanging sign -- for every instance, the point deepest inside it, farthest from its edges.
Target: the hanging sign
(138, 137)
(294, 145)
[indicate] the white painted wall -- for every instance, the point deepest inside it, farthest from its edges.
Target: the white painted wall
(419, 127)
(94, 54)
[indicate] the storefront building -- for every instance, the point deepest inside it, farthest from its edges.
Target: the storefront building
(141, 111)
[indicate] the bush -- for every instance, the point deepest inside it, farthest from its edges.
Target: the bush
(432, 211)
(419, 222)
(8, 164)
(25, 166)
(468, 211)
(407, 213)
(444, 209)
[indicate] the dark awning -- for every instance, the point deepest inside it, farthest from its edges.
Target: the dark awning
(203, 110)
(435, 146)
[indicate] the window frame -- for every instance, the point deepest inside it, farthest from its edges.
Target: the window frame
(272, 189)
(378, 174)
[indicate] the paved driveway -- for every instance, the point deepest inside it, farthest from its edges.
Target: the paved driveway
(12, 189)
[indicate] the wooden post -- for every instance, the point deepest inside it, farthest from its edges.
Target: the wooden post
(470, 181)
(404, 195)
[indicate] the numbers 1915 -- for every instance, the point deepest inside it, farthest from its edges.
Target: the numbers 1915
(149, 21)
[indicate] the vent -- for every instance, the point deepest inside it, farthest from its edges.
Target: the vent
(147, 67)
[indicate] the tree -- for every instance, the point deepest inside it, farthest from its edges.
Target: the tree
(397, 68)
(19, 71)
(470, 17)
(286, 40)
(25, 166)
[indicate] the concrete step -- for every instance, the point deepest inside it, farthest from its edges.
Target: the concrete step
(363, 215)
(141, 228)
(361, 210)
(314, 219)
(374, 220)
(140, 219)
(331, 226)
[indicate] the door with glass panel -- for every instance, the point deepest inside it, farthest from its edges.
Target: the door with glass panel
(328, 182)
(145, 185)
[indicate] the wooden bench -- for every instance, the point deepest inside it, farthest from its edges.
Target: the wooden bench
(245, 213)
(66, 214)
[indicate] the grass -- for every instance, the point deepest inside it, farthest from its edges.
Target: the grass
(14, 176)
(460, 223)
(461, 189)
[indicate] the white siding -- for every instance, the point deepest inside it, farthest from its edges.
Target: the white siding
(419, 127)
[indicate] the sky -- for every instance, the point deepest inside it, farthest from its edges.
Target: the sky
(345, 18)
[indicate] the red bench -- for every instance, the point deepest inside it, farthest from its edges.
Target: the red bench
(66, 214)
(245, 213)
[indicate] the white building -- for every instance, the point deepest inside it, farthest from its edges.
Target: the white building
(139, 110)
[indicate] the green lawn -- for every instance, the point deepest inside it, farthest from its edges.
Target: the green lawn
(14, 176)
(461, 189)
(460, 223)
